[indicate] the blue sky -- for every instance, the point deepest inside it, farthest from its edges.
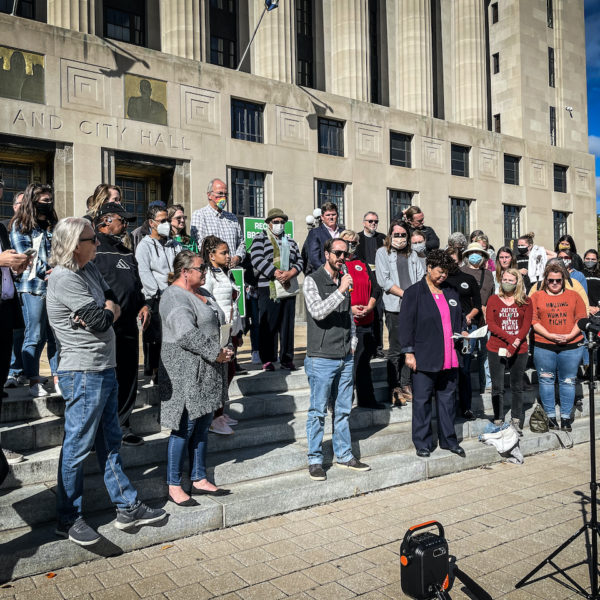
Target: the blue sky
(592, 42)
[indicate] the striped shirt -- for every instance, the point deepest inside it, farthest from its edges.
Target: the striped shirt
(208, 221)
(21, 242)
(261, 255)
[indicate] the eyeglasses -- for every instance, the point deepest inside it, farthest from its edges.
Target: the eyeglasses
(373, 221)
(92, 239)
(399, 235)
(201, 269)
(340, 253)
(184, 218)
(559, 280)
(220, 194)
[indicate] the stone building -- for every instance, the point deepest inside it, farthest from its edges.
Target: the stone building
(474, 110)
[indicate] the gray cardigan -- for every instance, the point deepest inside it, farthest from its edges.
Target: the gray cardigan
(189, 376)
(386, 272)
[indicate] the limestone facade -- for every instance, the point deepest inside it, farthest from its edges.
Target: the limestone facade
(88, 120)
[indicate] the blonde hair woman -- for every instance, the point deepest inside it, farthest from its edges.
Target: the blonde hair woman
(508, 317)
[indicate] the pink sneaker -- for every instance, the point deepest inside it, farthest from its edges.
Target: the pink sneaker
(230, 421)
(220, 426)
(268, 366)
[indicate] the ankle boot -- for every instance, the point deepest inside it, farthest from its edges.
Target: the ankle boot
(565, 425)
(553, 423)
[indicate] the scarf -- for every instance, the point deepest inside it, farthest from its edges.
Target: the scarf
(281, 258)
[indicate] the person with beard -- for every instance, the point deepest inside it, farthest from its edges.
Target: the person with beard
(415, 219)
(591, 271)
(155, 255)
(118, 266)
(330, 345)
(31, 229)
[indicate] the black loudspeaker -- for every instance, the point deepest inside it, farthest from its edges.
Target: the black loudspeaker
(424, 562)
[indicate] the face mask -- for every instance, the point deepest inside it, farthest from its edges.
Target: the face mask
(352, 248)
(508, 287)
(419, 247)
(566, 262)
(563, 246)
(163, 229)
(222, 203)
(278, 228)
(590, 264)
(44, 209)
(398, 243)
(522, 249)
(475, 259)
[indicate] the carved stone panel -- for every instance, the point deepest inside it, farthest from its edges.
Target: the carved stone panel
(200, 109)
(538, 173)
(488, 163)
(84, 86)
(582, 181)
(433, 154)
(292, 126)
(368, 142)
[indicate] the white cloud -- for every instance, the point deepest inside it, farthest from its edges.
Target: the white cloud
(594, 145)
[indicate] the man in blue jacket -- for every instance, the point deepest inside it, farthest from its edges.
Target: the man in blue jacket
(315, 242)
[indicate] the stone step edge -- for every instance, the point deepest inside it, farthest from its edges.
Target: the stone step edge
(51, 554)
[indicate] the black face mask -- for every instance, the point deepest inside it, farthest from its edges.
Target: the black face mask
(44, 209)
(522, 251)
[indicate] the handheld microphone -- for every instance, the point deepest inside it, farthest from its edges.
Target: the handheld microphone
(591, 324)
(344, 271)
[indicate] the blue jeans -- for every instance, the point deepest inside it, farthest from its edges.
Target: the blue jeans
(485, 380)
(90, 420)
(330, 381)
(548, 364)
(16, 360)
(37, 333)
(193, 434)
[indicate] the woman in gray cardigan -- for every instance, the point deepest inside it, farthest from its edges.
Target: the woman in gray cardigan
(192, 374)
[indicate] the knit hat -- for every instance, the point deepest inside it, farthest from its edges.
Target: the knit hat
(276, 213)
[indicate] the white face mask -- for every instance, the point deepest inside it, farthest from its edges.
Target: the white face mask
(398, 243)
(419, 247)
(278, 228)
(163, 229)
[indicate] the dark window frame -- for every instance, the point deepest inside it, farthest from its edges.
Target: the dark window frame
(399, 200)
(16, 177)
(223, 30)
(305, 44)
(137, 31)
(331, 136)
(495, 15)
(247, 188)
(550, 14)
(460, 215)
(512, 165)
(497, 123)
(401, 156)
(552, 125)
(560, 178)
(459, 155)
(247, 121)
(328, 190)
(512, 222)
(551, 78)
(496, 63)
(560, 224)
(25, 9)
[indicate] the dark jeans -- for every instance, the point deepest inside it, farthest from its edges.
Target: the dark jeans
(363, 380)
(128, 354)
(398, 374)
(152, 339)
(378, 325)
(443, 384)
(465, 388)
(498, 367)
(275, 318)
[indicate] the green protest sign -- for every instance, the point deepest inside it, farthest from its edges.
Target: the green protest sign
(254, 226)
(238, 277)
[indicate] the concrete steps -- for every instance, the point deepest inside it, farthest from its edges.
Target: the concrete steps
(264, 464)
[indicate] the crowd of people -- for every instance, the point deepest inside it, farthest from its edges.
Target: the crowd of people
(86, 288)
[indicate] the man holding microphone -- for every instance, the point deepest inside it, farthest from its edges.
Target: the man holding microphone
(331, 341)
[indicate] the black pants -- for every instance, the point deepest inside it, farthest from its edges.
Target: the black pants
(398, 374)
(498, 367)
(443, 383)
(378, 325)
(6, 340)
(275, 318)
(128, 355)
(152, 339)
(365, 351)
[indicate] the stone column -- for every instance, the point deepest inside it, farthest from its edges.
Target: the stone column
(350, 49)
(469, 58)
(180, 28)
(79, 15)
(274, 48)
(414, 78)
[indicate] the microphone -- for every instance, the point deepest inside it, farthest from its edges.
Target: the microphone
(591, 324)
(344, 271)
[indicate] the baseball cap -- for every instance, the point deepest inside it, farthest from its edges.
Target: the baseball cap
(112, 208)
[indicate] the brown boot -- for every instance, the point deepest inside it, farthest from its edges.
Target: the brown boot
(407, 393)
(398, 397)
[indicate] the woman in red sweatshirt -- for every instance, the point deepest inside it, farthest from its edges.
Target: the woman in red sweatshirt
(508, 318)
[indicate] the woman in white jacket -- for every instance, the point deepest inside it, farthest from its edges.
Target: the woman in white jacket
(397, 267)
(219, 284)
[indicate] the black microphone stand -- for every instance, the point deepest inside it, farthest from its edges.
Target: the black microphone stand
(592, 524)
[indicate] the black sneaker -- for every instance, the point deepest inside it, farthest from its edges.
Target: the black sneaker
(130, 439)
(140, 514)
(553, 423)
(565, 424)
(79, 532)
(317, 472)
(354, 464)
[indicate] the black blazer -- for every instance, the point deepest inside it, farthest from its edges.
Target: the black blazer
(360, 251)
(11, 316)
(421, 330)
(313, 251)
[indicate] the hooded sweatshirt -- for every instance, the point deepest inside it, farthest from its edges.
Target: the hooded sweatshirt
(155, 262)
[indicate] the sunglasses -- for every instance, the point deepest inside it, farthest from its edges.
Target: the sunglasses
(280, 222)
(201, 269)
(180, 218)
(399, 235)
(554, 280)
(92, 239)
(373, 221)
(340, 253)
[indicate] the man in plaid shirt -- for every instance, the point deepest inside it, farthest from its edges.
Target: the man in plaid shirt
(213, 219)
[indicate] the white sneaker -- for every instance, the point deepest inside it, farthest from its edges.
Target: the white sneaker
(220, 426)
(57, 389)
(37, 390)
(256, 358)
(11, 382)
(12, 457)
(229, 420)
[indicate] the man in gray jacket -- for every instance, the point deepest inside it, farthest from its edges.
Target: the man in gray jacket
(330, 346)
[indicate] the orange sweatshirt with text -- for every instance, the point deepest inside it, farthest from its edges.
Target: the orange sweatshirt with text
(557, 314)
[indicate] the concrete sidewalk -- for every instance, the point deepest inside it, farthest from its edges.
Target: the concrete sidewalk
(500, 522)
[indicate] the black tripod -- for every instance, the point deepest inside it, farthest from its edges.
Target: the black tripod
(591, 329)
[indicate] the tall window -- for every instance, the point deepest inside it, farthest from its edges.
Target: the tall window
(553, 125)
(459, 160)
(400, 153)
(497, 124)
(549, 13)
(134, 197)
(400, 200)
(559, 221)
(25, 9)
(460, 215)
(246, 121)
(223, 33)
(551, 67)
(305, 43)
(560, 179)
(496, 62)
(511, 169)
(331, 137)
(125, 24)
(374, 50)
(494, 12)
(247, 193)
(16, 178)
(331, 191)
(512, 223)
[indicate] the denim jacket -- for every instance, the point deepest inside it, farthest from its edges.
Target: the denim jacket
(23, 241)
(386, 272)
